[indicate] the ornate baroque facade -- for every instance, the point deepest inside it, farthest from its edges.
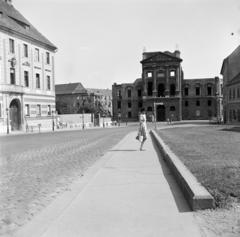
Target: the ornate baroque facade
(164, 93)
(27, 90)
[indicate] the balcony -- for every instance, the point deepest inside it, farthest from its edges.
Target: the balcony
(11, 88)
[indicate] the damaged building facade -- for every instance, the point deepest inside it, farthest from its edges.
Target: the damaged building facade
(165, 94)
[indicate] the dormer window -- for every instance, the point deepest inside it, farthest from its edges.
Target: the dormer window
(21, 23)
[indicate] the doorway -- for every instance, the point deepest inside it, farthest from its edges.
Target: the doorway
(15, 115)
(161, 113)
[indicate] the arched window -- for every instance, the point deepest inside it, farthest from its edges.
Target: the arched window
(172, 89)
(209, 90)
(197, 90)
(161, 90)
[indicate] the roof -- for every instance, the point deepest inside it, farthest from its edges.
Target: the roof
(106, 92)
(70, 88)
(12, 21)
(163, 56)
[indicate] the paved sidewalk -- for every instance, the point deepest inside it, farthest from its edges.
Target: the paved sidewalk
(132, 194)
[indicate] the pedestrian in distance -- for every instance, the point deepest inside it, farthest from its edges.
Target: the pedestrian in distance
(142, 131)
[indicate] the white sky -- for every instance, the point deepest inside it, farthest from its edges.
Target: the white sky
(101, 41)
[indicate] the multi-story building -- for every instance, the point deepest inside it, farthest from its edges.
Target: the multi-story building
(27, 75)
(202, 98)
(73, 98)
(231, 87)
(164, 93)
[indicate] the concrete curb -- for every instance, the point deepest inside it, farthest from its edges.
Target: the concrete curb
(196, 195)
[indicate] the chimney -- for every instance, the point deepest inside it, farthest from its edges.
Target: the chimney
(177, 53)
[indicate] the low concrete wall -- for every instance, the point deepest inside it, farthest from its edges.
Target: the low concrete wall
(196, 195)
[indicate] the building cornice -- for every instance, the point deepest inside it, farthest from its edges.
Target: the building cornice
(28, 38)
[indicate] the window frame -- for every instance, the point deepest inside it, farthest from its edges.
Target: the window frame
(38, 83)
(26, 76)
(38, 110)
(11, 46)
(27, 110)
(25, 50)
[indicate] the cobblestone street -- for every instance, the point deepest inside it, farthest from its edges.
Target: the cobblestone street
(36, 168)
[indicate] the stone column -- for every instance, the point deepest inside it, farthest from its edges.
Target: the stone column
(155, 83)
(167, 82)
(177, 82)
(180, 91)
(144, 83)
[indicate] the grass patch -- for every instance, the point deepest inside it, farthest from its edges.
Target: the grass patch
(212, 153)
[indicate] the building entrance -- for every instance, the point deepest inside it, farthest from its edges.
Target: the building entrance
(161, 116)
(15, 115)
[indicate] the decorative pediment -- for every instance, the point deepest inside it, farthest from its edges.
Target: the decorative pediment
(161, 57)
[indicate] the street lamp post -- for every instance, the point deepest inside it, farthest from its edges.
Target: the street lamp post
(7, 121)
(53, 121)
(83, 101)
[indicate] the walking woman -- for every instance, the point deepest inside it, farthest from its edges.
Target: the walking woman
(142, 128)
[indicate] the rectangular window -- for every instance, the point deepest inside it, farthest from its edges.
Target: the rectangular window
(139, 93)
(172, 73)
(27, 110)
(37, 55)
(49, 110)
(197, 103)
(209, 103)
(25, 50)
(38, 112)
(26, 79)
(197, 91)
(47, 58)
(129, 105)
(129, 114)
(129, 93)
(48, 83)
(209, 90)
(119, 105)
(149, 74)
(119, 94)
(12, 76)
(37, 80)
(140, 104)
(150, 88)
(233, 94)
(186, 91)
(11, 46)
(186, 103)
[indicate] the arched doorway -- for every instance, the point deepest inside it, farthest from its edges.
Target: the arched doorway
(15, 115)
(161, 113)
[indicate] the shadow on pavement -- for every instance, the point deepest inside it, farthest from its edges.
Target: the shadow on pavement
(231, 129)
(180, 201)
(124, 150)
